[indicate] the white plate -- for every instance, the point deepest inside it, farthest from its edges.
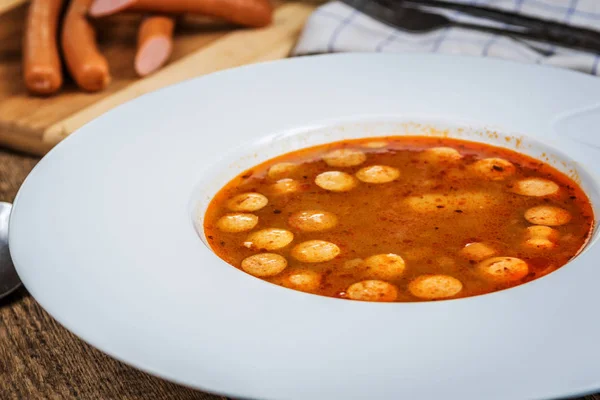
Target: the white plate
(102, 236)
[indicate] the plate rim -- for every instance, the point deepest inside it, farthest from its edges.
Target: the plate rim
(81, 133)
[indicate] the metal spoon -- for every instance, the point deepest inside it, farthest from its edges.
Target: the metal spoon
(9, 280)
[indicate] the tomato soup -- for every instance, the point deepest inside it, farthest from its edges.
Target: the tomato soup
(399, 219)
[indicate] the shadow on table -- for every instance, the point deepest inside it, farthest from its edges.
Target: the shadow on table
(14, 297)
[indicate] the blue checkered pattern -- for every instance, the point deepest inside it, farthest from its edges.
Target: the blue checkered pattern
(336, 27)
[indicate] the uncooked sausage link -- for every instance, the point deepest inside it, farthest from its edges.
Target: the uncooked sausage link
(255, 13)
(87, 66)
(41, 61)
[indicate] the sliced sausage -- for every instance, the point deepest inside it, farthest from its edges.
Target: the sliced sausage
(155, 43)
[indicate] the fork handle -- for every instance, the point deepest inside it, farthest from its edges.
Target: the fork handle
(547, 30)
(589, 41)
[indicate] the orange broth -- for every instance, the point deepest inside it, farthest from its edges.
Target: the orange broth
(448, 226)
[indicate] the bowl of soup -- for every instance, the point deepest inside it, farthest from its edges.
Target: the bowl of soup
(348, 226)
(403, 218)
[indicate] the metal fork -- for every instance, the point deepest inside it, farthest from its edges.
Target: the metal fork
(418, 21)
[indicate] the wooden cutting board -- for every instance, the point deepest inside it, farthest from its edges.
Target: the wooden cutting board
(35, 124)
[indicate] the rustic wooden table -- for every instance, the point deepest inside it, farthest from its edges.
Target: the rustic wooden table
(39, 359)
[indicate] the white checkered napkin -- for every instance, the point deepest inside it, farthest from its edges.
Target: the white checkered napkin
(336, 27)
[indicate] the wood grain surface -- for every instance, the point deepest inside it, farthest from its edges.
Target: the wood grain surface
(35, 124)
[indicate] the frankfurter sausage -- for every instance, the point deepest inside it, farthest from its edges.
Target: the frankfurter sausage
(41, 62)
(155, 43)
(86, 64)
(254, 13)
